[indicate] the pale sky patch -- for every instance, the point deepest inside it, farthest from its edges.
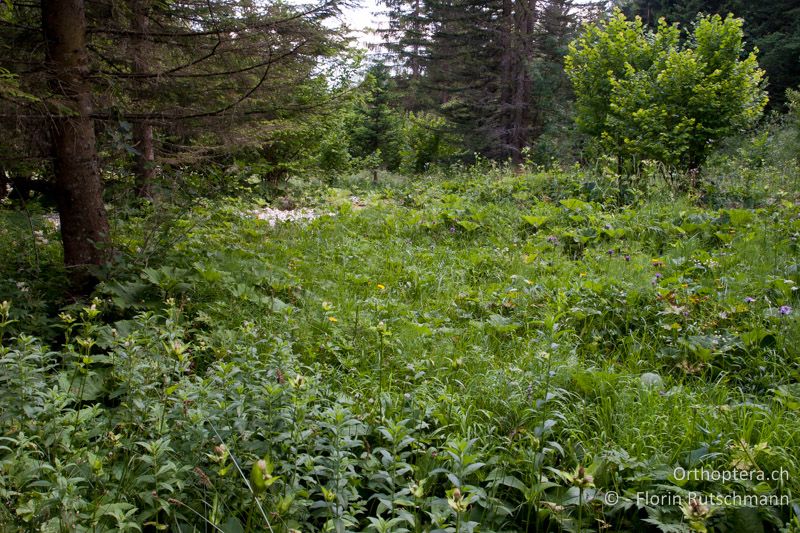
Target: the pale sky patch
(364, 19)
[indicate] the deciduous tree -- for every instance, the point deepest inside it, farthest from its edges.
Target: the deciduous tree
(647, 95)
(771, 26)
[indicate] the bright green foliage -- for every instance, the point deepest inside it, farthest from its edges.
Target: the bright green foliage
(648, 95)
(772, 26)
(425, 142)
(793, 97)
(333, 154)
(370, 133)
(375, 123)
(494, 351)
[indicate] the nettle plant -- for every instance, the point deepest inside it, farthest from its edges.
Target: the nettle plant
(116, 432)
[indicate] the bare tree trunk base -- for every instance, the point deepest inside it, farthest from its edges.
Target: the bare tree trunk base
(79, 189)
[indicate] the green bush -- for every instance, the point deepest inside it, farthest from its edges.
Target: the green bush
(648, 95)
(425, 142)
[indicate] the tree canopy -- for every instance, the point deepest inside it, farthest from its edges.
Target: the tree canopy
(771, 26)
(647, 94)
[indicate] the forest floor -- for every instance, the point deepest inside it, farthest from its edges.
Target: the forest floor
(495, 351)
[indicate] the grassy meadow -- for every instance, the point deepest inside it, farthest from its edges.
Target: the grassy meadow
(477, 350)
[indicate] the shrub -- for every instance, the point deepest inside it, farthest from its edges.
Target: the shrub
(647, 95)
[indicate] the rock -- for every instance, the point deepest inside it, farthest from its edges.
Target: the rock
(274, 216)
(651, 380)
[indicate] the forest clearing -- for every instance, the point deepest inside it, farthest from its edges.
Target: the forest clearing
(527, 266)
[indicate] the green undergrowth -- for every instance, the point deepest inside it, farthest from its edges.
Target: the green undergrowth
(485, 351)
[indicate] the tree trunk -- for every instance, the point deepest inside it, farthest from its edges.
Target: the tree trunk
(79, 189)
(415, 66)
(145, 159)
(142, 130)
(507, 45)
(521, 102)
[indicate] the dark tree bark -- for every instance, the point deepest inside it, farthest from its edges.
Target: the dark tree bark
(145, 159)
(517, 41)
(521, 103)
(142, 129)
(506, 75)
(84, 225)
